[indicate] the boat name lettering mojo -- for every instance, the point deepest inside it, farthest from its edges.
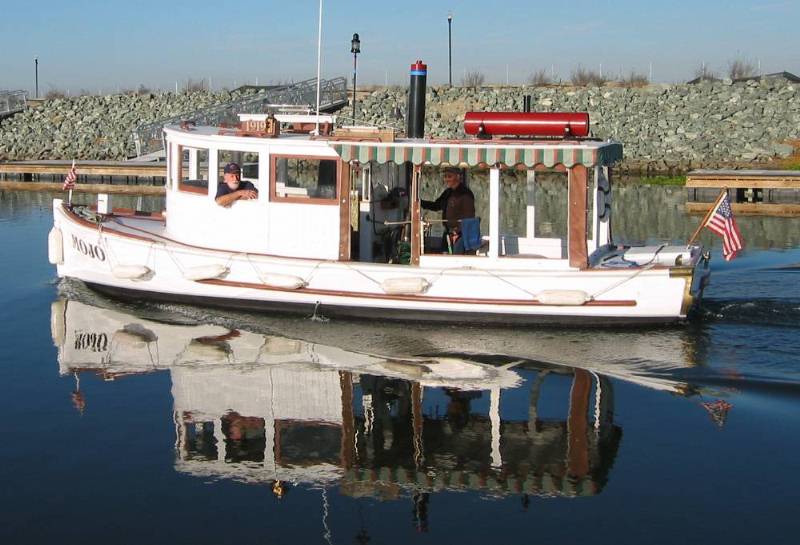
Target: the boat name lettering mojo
(92, 250)
(96, 342)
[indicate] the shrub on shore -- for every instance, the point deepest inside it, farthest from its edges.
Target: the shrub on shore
(473, 79)
(584, 77)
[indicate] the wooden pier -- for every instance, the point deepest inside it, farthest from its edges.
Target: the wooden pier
(118, 177)
(751, 192)
(87, 168)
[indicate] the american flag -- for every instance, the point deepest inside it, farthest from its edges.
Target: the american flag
(70, 178)
(722, 223)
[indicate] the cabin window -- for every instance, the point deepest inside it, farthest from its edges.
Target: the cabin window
(293, 438)
(549, 212)
(245, 438)
(432, 186)
(198, 441)
(533, 212)
(193, 170)
(247, 161)
(304, 179)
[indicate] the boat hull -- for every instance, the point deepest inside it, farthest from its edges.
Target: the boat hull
(119, 262)
(381, 313)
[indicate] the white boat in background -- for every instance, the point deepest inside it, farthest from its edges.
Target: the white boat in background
(338, 226)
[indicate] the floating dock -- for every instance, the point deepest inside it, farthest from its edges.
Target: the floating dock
(751, 192)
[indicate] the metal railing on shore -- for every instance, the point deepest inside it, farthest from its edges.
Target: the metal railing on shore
(148, 138)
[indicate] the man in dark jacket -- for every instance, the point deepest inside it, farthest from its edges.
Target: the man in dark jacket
(456, 203)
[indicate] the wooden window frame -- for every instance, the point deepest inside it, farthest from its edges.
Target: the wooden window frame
(188, 188)
(273, 175)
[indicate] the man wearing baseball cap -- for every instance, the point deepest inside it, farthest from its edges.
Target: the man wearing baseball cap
(456, 203)
(233, 188)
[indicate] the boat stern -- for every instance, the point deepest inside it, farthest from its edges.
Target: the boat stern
(693, 267)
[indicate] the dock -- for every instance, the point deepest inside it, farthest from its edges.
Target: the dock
(84, 168)
(117, 177)
(751, 192)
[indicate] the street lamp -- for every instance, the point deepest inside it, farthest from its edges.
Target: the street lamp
(450, 45)
(355, 49)
(36, 77)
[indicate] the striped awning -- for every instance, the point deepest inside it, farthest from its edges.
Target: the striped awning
(589, 154)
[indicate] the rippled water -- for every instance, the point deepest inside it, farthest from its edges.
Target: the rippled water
(131, 422)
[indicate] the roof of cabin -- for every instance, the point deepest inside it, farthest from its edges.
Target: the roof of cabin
(467, 152)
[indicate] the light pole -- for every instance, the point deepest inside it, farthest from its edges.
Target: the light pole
(36, 76)
(355, 49)
(450, 45)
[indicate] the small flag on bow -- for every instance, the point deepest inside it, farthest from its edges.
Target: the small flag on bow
(722, 222)
(70, 178)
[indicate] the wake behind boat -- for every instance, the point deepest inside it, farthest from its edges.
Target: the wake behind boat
(335, 223)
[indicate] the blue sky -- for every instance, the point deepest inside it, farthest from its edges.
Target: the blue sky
(106, 45)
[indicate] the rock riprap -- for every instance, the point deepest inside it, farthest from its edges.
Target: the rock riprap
(663, 127)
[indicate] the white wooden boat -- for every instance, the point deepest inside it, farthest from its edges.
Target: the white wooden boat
(334, 213)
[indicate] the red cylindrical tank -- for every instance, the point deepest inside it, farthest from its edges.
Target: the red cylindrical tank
(560, 124)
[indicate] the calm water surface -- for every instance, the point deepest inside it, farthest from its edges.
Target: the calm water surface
(135, 423)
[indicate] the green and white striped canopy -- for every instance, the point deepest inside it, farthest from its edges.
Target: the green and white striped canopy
(588, 154)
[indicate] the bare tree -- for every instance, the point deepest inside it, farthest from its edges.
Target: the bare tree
(473, 79)
(196, 85)
(704, 73)
(540, 78)
(54, 93)
(740, 68)
(634, 79)
(584, 77)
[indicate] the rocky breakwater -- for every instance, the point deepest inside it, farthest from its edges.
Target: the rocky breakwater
(92, 127)
(663, 127)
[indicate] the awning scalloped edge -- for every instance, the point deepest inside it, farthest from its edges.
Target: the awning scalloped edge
(510, 156)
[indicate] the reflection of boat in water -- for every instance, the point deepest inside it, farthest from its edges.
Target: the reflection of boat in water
(114, 343)
(259, 408)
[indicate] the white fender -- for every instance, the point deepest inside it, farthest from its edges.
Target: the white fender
(58, 325)
(411, 285)
(55, 246)
(286, 281)
(130, 272)
(563, 297)
(206, 272)
(278, 346)
(200, 352)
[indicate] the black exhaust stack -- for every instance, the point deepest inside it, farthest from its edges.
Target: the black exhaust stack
(415, 121)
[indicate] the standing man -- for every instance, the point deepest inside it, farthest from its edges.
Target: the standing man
(456, 203)
(233, 188)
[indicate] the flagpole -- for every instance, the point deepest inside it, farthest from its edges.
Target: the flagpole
(710, 213)
(69, 198)
(319, 61)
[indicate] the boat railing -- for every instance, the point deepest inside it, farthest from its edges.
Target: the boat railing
(148, 138)
(12, 102)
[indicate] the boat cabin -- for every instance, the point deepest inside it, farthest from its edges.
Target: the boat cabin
(356, 195)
